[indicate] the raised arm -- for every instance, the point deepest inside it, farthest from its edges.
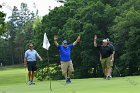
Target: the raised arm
(95, 38)
(55, 40)
(77, 40)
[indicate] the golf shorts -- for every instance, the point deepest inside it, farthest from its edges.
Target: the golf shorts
(106, 62)
(67, 66)
(31, 65)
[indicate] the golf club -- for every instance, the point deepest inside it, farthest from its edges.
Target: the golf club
(26, 80)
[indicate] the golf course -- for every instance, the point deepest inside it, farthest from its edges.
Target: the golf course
(70, 46)
(13, 80)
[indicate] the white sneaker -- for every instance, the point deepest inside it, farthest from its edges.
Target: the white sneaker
(108, 77)
(29, 82)
(33, 83)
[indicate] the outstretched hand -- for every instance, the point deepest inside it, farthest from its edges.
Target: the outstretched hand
(95, 37)
(78, 39)
(55, 37)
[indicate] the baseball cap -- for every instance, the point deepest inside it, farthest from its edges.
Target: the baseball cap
(104, 40)
(65, 42)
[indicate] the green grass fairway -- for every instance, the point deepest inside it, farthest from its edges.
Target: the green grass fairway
(12, 80)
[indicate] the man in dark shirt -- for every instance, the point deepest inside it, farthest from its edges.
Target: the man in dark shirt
(106, 57)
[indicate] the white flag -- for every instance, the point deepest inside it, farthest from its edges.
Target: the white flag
(46, 43)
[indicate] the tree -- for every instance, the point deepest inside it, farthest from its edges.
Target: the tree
(2, 23)
(126, 35)
(20, 29)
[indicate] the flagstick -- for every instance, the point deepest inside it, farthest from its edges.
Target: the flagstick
(46, 46)
(49, 70)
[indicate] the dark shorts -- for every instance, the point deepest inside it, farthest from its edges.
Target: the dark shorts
(31, 65)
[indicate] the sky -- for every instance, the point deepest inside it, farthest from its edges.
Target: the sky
(41, 5)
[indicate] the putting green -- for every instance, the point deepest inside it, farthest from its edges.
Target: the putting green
(13, 81)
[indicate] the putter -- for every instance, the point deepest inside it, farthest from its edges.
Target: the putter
(26, 80)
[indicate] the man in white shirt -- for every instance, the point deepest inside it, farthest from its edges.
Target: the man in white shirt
(30, 62)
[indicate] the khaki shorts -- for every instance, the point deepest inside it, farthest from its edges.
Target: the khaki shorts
(106, 62)
(67, 66)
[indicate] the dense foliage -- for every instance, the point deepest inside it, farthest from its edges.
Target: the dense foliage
(2, 23)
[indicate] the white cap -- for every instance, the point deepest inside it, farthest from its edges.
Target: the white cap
(104, 40)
